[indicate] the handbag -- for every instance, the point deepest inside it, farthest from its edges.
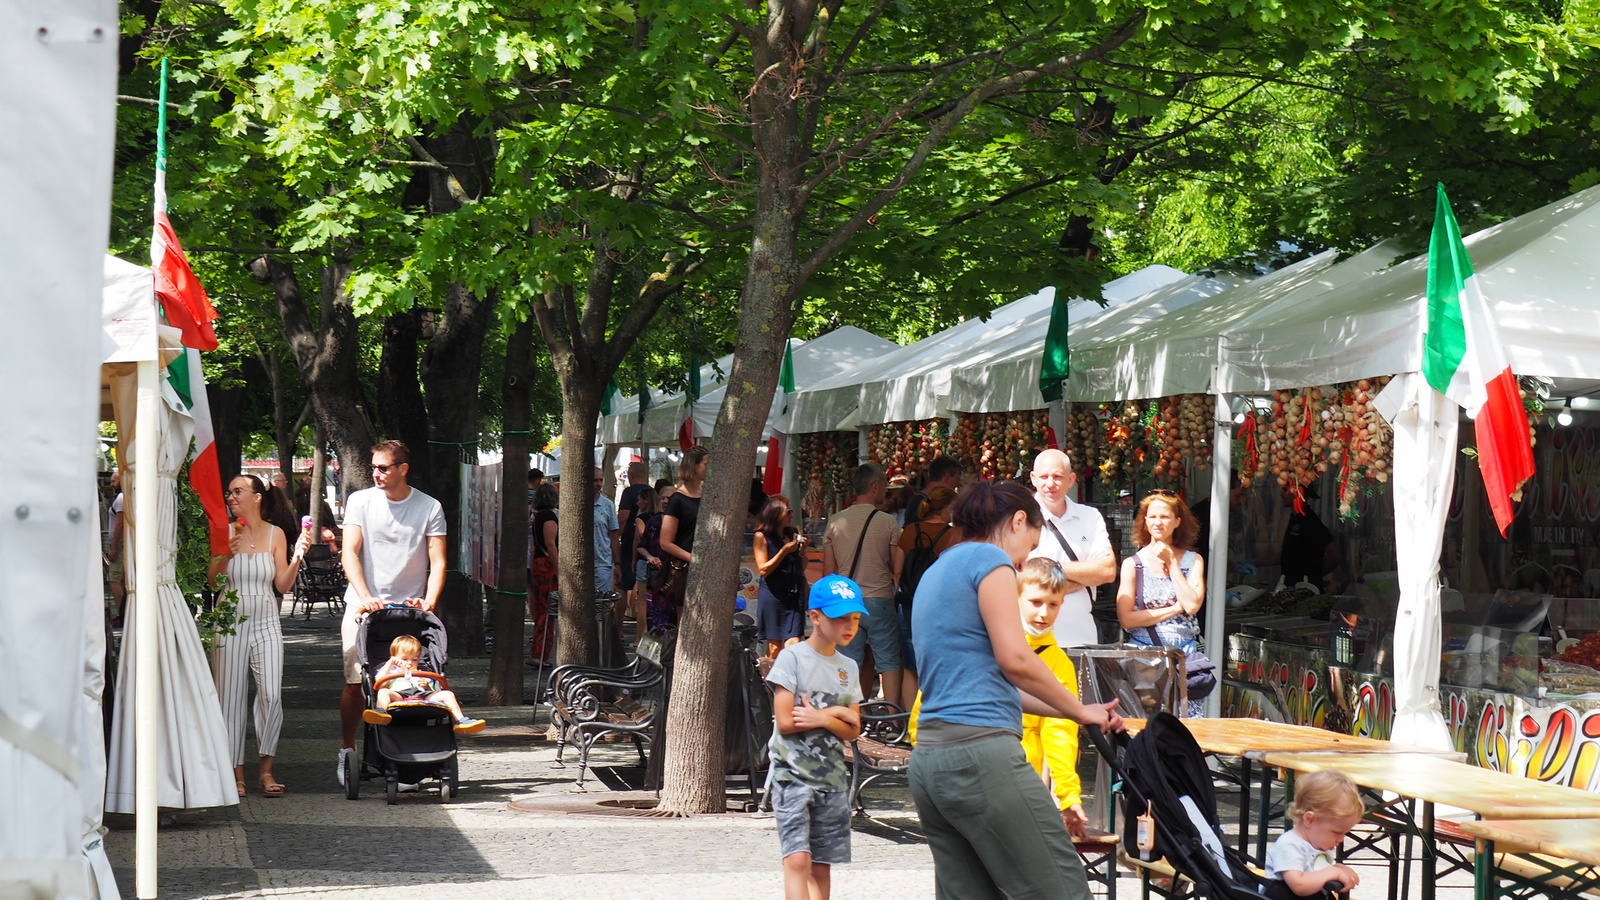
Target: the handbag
(1200, 673)
(670, 582)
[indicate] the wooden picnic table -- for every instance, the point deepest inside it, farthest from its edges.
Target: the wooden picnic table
(1570, 848)
(1252, 739)
(1432, 780)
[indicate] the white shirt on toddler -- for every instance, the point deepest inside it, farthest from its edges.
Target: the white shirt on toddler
(1293, 853)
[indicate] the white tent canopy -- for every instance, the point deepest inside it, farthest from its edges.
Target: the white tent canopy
(1004, 376)
(914, 382)
(844, 349)
(1177, 353)
(663, 416)
(1537, 271)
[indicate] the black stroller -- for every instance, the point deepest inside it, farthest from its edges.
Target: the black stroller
(419, 742)
(1157, 771)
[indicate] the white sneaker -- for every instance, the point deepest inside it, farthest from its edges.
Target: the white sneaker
(338, 769)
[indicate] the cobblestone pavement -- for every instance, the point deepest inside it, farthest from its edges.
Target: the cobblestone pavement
(312, 842)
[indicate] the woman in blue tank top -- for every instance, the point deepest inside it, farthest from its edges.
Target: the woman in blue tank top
(990, 821)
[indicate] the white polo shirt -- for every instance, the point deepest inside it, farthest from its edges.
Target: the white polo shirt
(1085, 530)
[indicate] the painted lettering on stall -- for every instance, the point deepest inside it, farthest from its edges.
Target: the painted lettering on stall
(1572, 482)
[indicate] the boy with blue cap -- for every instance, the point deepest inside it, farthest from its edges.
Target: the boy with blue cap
(816, 700)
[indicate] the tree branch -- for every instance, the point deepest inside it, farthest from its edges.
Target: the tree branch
(936, 137)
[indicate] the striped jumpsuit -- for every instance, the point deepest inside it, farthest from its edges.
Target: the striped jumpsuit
(255, 646)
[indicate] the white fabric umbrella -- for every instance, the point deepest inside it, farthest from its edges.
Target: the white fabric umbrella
(57, 134)
(1425, 424)
(195, 769)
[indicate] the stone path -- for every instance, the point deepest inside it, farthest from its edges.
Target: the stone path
(312, 842)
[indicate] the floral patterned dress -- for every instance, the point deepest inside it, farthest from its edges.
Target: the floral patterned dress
(1181, 631)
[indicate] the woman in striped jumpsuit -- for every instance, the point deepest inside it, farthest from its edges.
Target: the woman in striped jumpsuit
(255, 564)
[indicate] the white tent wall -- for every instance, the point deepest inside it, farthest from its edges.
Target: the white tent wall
(662, 418)
(1005, 376)
(56, 141)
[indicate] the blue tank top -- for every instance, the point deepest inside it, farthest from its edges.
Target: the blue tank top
(961, 682)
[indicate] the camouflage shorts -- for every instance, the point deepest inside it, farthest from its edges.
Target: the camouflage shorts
(812, 821)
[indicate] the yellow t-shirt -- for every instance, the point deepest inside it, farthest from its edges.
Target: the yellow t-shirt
(1045, 740)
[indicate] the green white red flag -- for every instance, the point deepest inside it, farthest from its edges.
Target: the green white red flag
(1464, 360)
(185, 306)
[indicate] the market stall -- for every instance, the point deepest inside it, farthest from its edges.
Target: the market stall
(1497, 701)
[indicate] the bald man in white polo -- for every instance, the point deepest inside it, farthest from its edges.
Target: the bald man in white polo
(1089, 564)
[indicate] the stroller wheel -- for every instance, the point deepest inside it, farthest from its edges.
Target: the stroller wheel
(449, 781)
(352, 775)
(393, 785)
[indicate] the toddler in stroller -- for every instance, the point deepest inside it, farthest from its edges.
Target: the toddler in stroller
(402, 680)
(408, 740)
(1164, 781)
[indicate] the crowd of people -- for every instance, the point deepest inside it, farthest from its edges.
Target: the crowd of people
(955, 601)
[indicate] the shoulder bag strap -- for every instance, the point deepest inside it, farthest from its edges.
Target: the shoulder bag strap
(939, 537)
(1039, 650)
(1138, 599)
(861, 542)
(1061, 539)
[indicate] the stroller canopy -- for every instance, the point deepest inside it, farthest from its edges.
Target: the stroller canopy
(380, 627)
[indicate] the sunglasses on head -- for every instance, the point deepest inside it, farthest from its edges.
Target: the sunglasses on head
(1164, 492)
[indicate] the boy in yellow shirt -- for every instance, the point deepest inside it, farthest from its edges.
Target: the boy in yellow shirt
(1042, 585)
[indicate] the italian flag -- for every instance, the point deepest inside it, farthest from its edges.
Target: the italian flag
(1463, 359)
(778, 444)
(185, 305)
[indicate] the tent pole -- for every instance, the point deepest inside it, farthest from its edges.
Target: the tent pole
(147, 610)
(1217, 554)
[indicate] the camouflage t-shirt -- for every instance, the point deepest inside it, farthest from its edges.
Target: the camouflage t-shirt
(814, 757)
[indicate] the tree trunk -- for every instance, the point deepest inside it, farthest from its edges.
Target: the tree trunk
(508, 608)
(694, 770)
(327, 357)
(282, 435)
(450, 369)
(401, 410)
(319, 466)
(576, 641)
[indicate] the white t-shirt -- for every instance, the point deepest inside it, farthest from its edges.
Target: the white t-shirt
(394, 542)
(1085, 530)
(1293, 853)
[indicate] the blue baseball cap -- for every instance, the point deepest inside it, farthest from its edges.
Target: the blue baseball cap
(836, 595)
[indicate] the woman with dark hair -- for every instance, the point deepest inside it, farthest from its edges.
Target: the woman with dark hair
(1163, 586)
(990, 821)
(678, 520)
(780, 553)
(646, 507)
(259, 568)
(542, 569)
(921, 543)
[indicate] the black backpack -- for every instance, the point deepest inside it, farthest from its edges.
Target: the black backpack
(918, 559)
